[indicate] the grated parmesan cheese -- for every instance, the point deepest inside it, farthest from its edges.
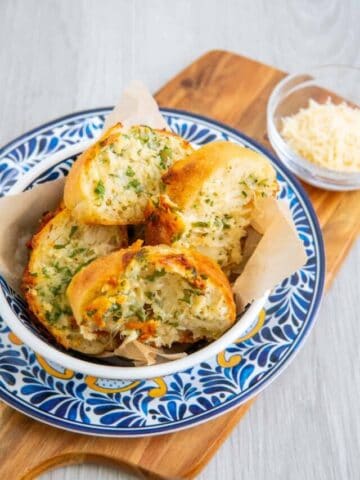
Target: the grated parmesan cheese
(326, 134)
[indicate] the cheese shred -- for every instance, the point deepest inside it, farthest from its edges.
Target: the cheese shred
(326, 134)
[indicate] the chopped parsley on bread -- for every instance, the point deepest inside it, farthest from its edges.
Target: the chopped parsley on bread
(208, 199)
(112, 182)
(158, 295)
(60, 249)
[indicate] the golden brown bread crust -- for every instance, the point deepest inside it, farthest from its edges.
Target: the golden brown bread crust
(90, 279)
(43, 286)
(162, 223)
(211, 192)
(93, 289)
(74, 184)
(78, 189)
(186, 177)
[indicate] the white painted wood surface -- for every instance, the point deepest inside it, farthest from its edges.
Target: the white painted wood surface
(57, 57)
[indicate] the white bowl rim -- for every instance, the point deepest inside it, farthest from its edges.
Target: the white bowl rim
(65, 360)
(130, 373)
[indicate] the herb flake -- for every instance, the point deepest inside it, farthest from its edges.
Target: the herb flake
(135, 185)
(129, 172)
(156, 274)
(200, 224)
(99, 190)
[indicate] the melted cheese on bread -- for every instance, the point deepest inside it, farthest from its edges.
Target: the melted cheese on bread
(112, 182)
(157, 295)
(208, 200)
(60, 249)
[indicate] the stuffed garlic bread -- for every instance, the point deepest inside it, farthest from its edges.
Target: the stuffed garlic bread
(208, 200)
(112, 182)
(61, 248)
(157, 295)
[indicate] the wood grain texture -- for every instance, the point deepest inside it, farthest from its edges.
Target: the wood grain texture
(155, 458)
(53, 61)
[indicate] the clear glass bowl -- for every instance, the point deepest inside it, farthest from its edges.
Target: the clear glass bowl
(340, 83)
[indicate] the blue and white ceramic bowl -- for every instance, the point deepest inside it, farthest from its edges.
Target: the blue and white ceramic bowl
(87, 402)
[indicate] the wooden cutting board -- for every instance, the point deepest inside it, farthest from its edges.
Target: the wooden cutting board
(233, 90)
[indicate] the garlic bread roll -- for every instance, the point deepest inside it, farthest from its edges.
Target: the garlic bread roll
(60, 249)
(157, 295)
(112, 182)
(208, 200)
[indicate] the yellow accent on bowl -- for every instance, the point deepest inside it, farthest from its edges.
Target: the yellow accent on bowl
(91, 382)
(257, 327)
(236, 359)
(14, 339)
(232, 361)
(65, 375)
(160, 390)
